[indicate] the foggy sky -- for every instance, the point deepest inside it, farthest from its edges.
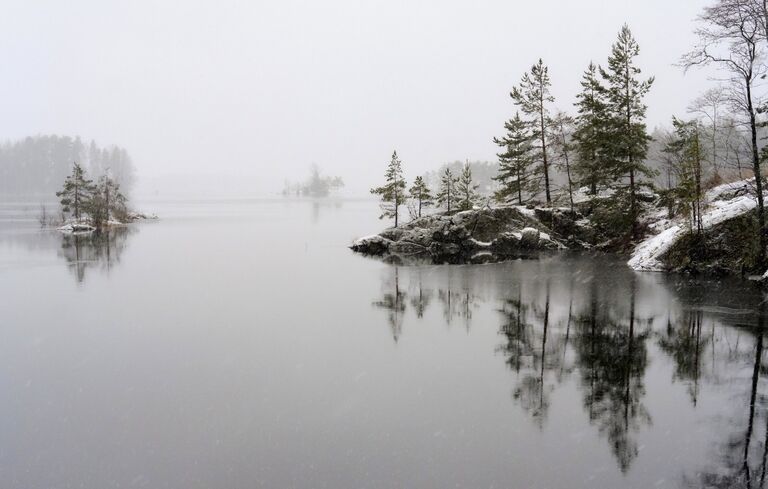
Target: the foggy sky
(268, 87)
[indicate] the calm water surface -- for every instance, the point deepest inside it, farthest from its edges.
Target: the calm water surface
(239, 344)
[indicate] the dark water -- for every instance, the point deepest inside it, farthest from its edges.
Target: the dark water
(240, 345)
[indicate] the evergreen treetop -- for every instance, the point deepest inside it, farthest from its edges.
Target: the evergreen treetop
(393, 192)
(591, 135)
(466, 190)
(76, 193)
(532, 96)
(446, 195)
(419, 192)
(515, 175)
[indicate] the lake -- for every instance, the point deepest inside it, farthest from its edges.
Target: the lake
(240, 344)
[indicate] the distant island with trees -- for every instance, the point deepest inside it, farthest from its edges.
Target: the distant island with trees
(316, 185)
(36, 166)
(90, 182)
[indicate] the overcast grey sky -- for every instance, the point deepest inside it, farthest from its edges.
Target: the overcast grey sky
(268, 87)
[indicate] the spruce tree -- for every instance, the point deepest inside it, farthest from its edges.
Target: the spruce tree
(515, 162)
(420, 193)
(393, 192)
(532, 96)
(626, 115)
(76, 193)
(466, 190)
(446, 195)
(591, 137)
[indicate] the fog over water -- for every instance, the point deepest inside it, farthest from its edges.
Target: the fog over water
(199, 352)
(209, 333)
(260, 90)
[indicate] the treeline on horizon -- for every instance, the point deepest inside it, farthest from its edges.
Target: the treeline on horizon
(603, 151)
(316, 185)
(37, 165)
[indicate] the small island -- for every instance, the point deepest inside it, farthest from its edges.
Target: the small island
(88, 206)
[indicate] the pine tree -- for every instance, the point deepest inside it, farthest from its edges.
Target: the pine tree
(532, 96)
(393, 192)
(421, 194)
(76, 193)
(446, 195)
(591, 136)
(626, 114)
(561, 127)
(516, 161)
(466, 190)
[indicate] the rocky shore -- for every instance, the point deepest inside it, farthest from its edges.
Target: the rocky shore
(480, 235)
(505, 232)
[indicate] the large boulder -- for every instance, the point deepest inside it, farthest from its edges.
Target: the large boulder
(372, 245)
(530, 238)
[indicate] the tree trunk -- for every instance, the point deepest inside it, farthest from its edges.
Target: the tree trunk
(567, 167)
(544, 156)
(756, 169)
(77, 202)
(396, 203)
(630, 159)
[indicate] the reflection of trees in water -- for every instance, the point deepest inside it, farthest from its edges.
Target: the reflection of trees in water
(393, 302)
(612, 359)
(395, 299)
(99, 249)
(517, 332)
(420, 297)
(532, 391)
(457, 304)
(607, 339)
(535, 349)
(598, 329)
(685, 342)
(741, 460)
(320, 203)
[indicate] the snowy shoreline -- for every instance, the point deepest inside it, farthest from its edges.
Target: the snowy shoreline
(510, 231)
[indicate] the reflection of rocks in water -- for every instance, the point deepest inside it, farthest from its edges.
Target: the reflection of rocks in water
(612, 358)
(100, 249)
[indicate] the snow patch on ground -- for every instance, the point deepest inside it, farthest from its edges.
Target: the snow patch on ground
(366, 238)
(482, 244)
(77, 227)
(582, 195)
(525, 211)
(648, 254)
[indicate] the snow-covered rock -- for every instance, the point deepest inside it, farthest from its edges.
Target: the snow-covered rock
(77, 227)
(726, 202)
(485, 234)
